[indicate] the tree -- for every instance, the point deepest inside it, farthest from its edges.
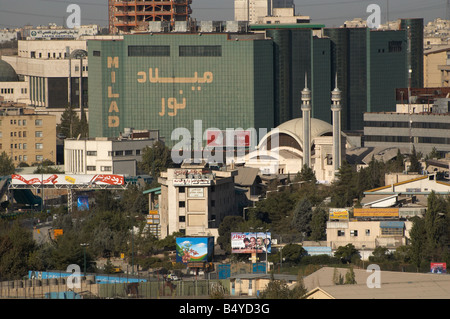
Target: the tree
(418, 238)
(347, 253)
(278, 289)
(156, 159)
(344, 188)
(318, 224)
(6, 165)
(301, 218)
(350, 277)
(306, 175)
(415, 165)
(69, 125)
(292, 253)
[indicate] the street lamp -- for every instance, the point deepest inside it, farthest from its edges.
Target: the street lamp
(84, 245)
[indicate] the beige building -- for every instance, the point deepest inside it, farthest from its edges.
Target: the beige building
(27, 137)
(436, 64)
(367, 235)
(195, 199)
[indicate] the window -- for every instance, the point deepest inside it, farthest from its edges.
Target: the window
(25, 158)
(96, 53)
(149, 50)
(395, 46)
(354, 233)
(38, 122)
(25, 121)
(340, 233)
(39, 146)
(38, 134)
(118, 153)
(24, 146)
(392, 231)
(181, 189)
(200, 50)
(90, 168)
(24, 134)
(138, 152)
(182, 219)
(367, 232)
(105, 168)
(213, 203)
(39, 158)
(91, 153)
(129, 152)
(182, 203)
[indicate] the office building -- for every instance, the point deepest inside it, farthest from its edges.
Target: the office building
(254, 11)
(167, 81)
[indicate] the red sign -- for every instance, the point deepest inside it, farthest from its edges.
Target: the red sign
(438, 268)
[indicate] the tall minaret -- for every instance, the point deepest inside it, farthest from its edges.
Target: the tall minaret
(336, 110)
(306, 115)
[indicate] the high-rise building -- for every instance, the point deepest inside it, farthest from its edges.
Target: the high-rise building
(125, 16)
(370, 65)
(168, 81)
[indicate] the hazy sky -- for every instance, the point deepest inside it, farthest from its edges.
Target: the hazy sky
(16, 13)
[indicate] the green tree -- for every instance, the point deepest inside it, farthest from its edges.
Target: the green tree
(69, 125)
(344, 188)
(350, 277)
(414, 159)
(156, 159)
(278, 289)
(228, 225)
(292, 253)
(6, 165)
(16, 246)
(418, 238)
(306, 175)
(301, 217)
(347, 253)
(319, 224)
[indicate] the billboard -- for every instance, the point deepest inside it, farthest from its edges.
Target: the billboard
(438, 268)
(83, 203)
(194, 249)
(337, 213)
(375, 212)
(247, 243)
(61, 179)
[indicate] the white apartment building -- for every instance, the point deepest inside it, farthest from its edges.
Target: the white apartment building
(103, 155)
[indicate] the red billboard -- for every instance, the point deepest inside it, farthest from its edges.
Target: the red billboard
(61, 179)
(438, 268)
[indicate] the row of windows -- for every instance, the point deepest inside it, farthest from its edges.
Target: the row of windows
(11, 91)
(24, 146)
(37, 122)
(118, 153)
(426, 125)
(384, 231)
(164, 51)
(405, 139)
(102, 168)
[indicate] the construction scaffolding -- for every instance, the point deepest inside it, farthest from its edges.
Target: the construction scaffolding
(133, 15)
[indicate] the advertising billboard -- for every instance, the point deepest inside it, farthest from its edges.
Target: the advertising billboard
(83, 203)
(232, 138)
(194, 249)
(61, 179)
(438, 268)
(337, 213)
(375, 212)
(247, 243)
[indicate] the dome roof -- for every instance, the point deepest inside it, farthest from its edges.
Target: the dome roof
(295, 127)
(7, 73)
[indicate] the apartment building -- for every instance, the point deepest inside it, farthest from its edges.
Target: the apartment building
(27, 137)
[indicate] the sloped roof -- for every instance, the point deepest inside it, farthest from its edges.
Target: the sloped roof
(7, 72)
(393, 285)
(246, 176)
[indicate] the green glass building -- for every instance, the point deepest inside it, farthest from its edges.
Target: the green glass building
(168, 80)
(369, 65)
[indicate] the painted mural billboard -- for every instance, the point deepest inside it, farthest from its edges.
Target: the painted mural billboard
(247, 243)
(61, 179)
(194, 249)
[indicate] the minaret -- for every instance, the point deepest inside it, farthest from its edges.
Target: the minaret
(306, 115)
(336, 110)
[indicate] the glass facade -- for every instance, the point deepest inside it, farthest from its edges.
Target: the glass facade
(168, 81)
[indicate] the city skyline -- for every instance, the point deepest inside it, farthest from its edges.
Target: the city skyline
(331, 13)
